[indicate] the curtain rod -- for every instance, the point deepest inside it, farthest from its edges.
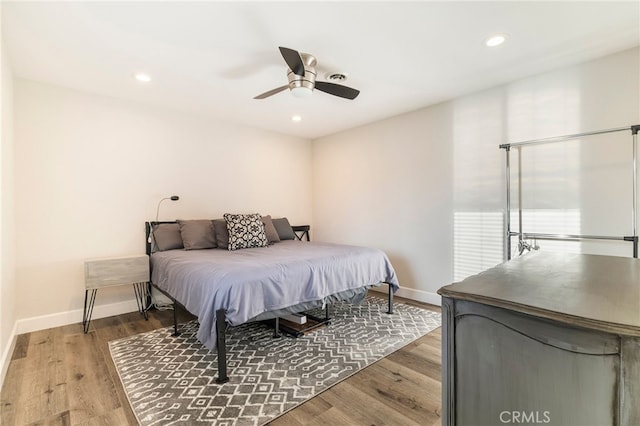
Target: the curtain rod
(634, 130)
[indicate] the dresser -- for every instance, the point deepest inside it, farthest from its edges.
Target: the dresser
(543, 339)
(115, 271)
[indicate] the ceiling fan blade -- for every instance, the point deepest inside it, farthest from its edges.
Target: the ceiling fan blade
(271, 92)
(337, 90)
(293, 60)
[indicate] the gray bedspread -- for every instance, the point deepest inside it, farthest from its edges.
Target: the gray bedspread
(249, 282)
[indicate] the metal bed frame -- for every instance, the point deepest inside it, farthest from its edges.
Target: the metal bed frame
(508, 233)
(301, 233)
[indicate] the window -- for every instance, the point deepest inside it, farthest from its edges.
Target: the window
(478, 236)
(477, 242)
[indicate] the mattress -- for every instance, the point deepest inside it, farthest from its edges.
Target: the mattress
(251, 283)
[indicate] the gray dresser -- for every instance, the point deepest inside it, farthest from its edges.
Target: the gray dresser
(544, 339)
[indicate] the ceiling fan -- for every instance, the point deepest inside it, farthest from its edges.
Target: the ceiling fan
(302, 78)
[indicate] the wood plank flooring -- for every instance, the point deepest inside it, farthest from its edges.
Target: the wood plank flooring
(62, 376)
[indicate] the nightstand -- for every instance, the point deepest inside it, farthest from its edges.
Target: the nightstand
(111, 272)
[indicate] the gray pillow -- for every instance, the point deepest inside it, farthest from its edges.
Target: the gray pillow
(245, 231)
(270, 230)
(167, 236)
(197, 234)
(285, 231)
(222, 234)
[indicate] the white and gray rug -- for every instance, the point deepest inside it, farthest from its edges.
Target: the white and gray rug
(170, 380)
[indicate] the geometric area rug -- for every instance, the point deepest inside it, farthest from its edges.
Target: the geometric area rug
(170, 380)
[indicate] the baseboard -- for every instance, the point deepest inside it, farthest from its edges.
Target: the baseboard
(59, 319)
(7, 354)
(413, 294)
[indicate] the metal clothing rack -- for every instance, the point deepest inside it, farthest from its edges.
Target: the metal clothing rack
(508, 233)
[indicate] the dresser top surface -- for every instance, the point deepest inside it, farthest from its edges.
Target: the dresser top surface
(601, 292)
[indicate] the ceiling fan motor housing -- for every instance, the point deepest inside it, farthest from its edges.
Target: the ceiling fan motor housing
(307, 81)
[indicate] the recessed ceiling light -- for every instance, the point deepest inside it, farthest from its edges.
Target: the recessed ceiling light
(296, 118)
(495, 40)
(142, 77)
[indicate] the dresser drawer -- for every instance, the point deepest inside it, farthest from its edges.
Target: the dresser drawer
(113, 271)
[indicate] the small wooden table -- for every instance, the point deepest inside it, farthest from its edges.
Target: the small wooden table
(115, 271)
(545, 338)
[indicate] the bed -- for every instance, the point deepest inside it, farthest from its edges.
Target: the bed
(228, 288)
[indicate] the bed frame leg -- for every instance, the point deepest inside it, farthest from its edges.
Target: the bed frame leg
(276, 328)
(221, 325)
(176, 333)
(390, 311)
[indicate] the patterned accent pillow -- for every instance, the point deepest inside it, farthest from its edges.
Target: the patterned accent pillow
(245, 231)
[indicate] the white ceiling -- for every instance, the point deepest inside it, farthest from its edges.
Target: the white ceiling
(213, 57)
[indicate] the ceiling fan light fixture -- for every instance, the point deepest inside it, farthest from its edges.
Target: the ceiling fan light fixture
(301, 92)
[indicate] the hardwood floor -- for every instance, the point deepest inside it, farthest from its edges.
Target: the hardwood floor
(62, 376)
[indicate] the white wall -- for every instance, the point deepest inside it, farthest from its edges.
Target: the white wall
(389, 185)
(7, 239)
(398, 184)
(91, 169)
